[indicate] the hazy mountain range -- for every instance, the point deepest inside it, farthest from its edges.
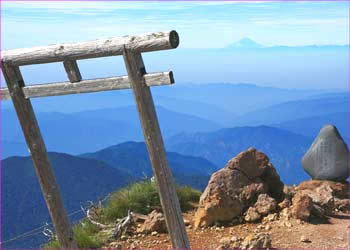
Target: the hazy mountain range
(23, 206)
(218, 102)
(311, 126)
(285, 149)
(247, 43)
(327, 107)
(80, 179)
(120, 156)
(235, 98)
(87, 131)
(203, 126)
(92, 130)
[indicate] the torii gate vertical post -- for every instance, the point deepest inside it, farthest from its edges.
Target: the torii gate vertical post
(155, 145)
(40, 158)
(128, 46)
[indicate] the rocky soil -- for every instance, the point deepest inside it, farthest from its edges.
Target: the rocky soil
(284, 233)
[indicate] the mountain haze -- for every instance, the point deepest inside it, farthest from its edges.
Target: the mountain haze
(285, 149)
(168, 120)
(23, 205)
(215, 101)
(9, 148)
(312, 125)
(235, 98)
(247, 43)
(95, 129)
(133, 158)
(293, 110)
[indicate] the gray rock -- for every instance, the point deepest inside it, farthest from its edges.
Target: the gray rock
(328, 156)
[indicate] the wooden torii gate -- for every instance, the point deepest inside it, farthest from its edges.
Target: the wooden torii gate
(138, 80)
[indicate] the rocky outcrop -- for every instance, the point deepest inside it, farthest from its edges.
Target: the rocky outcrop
(264, 206)
(340, 190)
(154, 223)
(302, 207)
(252, 215)
(326, 194)
(342, 205)
(284, 204)
(328, 156)
(317, 198)
(236, 187)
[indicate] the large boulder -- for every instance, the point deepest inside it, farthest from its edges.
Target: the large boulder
(328, 156)
(236, 187)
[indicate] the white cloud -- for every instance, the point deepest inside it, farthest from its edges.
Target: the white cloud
(229, 2)
(305, 21)
(85, 7)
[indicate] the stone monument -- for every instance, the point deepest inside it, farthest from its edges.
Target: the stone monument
(328, 156)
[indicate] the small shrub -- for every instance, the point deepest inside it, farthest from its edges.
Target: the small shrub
(89, 228)
(139, 197)
(142, 197)
(85, 237)
(187, 196)
(52, 245)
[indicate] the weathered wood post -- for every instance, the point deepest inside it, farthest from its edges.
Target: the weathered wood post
(153, 138)
(37, 148)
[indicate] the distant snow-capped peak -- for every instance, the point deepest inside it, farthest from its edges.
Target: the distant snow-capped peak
(246, 43)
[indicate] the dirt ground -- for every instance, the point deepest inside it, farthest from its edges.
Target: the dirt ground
(331, 234)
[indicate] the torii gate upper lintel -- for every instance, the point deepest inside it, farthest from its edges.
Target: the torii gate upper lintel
(131, 48)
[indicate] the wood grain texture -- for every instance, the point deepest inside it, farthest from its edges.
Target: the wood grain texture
(72, 70)
(88, 86)
(40, 159)
(91, 49)
(156, 150)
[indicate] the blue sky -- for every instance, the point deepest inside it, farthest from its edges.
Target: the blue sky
(200, 24)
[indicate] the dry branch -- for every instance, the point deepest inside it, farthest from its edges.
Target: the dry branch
(90, 217)
(123, 225)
